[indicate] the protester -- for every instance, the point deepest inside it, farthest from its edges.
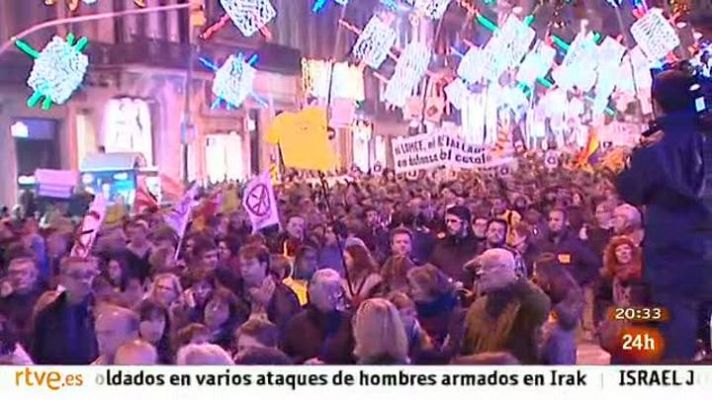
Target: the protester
(19, 297)
(623, 267)
(155, 328)
(628, 221)
(256, 343)
(203, 354)
(63, 331)
(363, 280)
(439, 313)
(11, 350)
(114, 327)
(322, 330)
(136, 352)
(379, 334)
(457, 246)
(567, 301)
(260, 292)
(223, 312)
(510, 312)
(418, 340)
(305, 265)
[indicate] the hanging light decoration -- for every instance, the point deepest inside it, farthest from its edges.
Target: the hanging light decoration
(374, 43)
(410, 68)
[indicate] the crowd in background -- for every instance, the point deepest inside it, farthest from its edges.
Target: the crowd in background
(383, 269)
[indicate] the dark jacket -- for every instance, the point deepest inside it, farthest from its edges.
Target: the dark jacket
(18, 309)
(666, 178)
(443, 321)
(598, 238)
(573, 254)
(521, 339)
(282, 307)
(451, 254)
(312, 333)
(64, 334)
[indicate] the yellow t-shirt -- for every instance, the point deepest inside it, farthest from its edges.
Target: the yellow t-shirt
(299, 287)
(303, 139)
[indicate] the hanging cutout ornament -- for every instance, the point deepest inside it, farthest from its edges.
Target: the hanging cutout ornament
(434, 9)
(410, 68)
(234, 81)
(249, 15)
(506, 48)
(58, 70)
(374, 43)
(457, 93)
(578, 69)
(470, 68)
(536, 64)
(655, 35)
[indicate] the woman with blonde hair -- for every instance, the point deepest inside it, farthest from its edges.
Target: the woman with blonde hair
(379, 334)
(166, 290)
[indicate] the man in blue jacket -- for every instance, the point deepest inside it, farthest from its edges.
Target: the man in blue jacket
(671, 175)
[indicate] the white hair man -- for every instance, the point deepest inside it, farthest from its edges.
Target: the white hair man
(203, 354)
(508, 315)
(114, 327)
(628, 221)
(322, 330)
(136, 352)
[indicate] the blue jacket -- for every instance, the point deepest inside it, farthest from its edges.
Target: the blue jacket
(573, 254)
(665, 178)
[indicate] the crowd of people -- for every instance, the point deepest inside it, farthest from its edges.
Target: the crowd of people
(445, 268)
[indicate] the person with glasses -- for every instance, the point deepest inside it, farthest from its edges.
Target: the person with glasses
(64, 329)
(322, 330)
(18, 298)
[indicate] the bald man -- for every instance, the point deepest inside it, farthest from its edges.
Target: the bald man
(114, 327)
(136, 352)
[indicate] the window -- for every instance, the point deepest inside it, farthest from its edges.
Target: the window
(223, 157)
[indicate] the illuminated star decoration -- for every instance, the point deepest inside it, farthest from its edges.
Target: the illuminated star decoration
(58, 70)
(374, 43)
(73, 5)
(410, 68)
(233, 81)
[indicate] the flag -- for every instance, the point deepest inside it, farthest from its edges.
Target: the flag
(207, 208)
(144, 199)
(259, 201)
(89, 228)
(303, 139)
(229, 201)
(585, 157)
(179, 216)
(172, 190)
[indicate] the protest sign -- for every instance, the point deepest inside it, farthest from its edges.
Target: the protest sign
(428, 151)
(90, 228)
(56, 183)
(259, 201)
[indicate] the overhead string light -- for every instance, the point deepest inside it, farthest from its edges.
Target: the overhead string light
(58, 69)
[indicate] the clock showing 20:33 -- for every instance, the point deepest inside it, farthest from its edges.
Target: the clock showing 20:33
(639, 314)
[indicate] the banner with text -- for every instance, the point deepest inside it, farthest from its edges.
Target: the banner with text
(428, 151)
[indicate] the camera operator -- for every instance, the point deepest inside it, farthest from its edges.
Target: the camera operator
(670, 174)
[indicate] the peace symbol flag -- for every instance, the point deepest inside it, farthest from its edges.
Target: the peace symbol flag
(260, 203)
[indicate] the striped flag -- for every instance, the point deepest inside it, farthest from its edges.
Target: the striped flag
(172, 190)
(179, 216)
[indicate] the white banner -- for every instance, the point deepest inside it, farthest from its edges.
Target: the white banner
(428, 151)
(90, 227)
(356, 382)
(259, 201)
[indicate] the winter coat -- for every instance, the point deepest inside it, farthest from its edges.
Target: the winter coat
(313, 334)
(450, 254)
(573, 254)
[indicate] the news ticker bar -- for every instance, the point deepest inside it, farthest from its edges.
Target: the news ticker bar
(348, 382)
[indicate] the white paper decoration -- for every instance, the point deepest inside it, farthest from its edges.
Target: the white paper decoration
(506, 48)
(434, 9)
(374, 43)
(249, 15)
(411, 66)
(457, 93)
(536, 64)
(655, 34)
(579, 65)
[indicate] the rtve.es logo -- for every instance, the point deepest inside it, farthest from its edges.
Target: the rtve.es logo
(51, 380)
